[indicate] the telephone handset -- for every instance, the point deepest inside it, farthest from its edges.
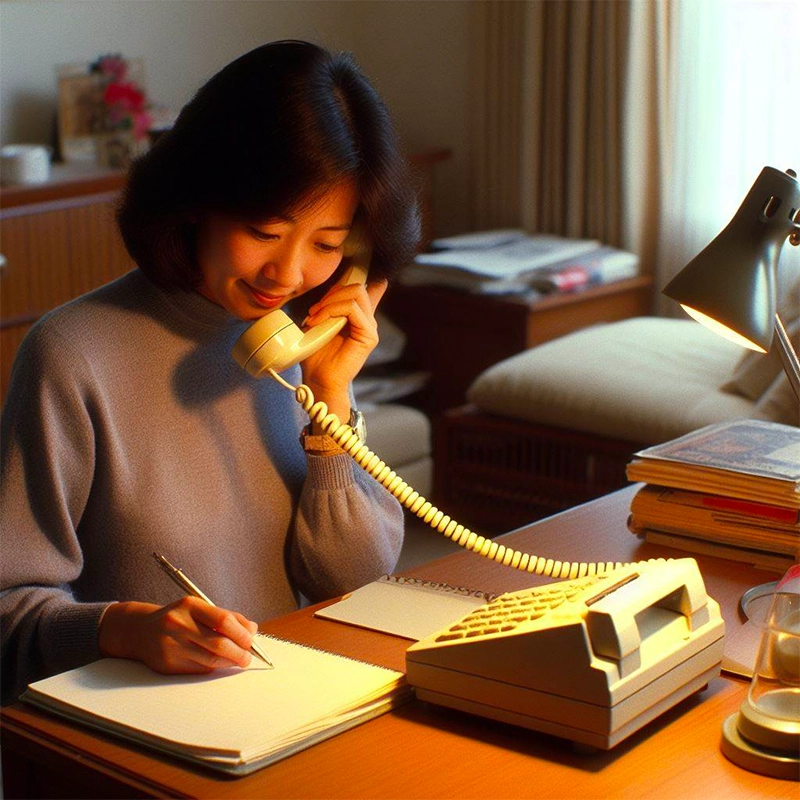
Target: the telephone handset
(274, 342)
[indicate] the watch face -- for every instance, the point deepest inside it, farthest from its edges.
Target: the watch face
(358, 425)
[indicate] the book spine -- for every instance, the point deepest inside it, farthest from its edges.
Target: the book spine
(751, 509)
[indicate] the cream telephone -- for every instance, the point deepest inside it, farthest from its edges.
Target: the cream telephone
(592, 658)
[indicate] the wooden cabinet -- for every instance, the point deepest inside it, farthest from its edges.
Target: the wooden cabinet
(58, 241)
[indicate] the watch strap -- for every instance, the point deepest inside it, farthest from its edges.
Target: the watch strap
(319, 444)
(322, 444)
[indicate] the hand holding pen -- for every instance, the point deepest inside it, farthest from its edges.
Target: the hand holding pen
(190, 588)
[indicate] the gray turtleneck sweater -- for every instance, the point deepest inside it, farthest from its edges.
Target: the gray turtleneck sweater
(129, 429)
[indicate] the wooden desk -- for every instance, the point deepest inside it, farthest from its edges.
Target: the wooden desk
(425, 751)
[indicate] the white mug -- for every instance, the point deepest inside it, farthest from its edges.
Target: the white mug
(24, 163)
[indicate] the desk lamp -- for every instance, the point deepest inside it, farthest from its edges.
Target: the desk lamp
(730, 288)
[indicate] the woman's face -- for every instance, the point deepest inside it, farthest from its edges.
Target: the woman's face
(251, 268)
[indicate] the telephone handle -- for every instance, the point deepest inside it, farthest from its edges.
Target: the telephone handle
(275, 342)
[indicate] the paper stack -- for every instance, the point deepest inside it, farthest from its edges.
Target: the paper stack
(730, 489)
(512, 261)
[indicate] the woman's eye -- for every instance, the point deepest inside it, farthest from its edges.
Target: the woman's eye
(262, 236)
(328, 248)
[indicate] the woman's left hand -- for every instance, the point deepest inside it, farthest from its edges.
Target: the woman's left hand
(330, 371)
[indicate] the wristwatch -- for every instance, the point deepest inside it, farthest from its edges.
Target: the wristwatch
(323, 444)
(358, 424)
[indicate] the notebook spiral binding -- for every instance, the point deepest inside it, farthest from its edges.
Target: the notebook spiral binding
(440, 587)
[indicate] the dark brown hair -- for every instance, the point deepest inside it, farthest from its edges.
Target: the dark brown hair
(267, 133)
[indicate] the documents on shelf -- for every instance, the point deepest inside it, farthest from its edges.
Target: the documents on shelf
(510, 261)
(476, 240)
(236, 720)
(604, 265)
(749, 459)
(405, 607)
(730, 489)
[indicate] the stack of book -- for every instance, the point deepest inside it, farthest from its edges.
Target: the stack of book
(730, 489)
(510, 261)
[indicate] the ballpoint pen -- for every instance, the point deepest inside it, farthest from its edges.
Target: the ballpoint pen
(188, 586)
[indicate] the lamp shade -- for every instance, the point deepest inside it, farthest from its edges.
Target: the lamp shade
(733, 279)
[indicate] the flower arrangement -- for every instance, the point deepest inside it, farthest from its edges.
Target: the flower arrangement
(124, 101)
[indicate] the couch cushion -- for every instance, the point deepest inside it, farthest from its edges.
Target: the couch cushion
(642, 380)
(418, 474)
(779, 403)
(397, 434)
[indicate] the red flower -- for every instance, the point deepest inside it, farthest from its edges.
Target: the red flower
(126, 95)
(125, 102)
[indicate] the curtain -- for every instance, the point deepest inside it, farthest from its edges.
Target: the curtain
(731, 87)
(641, 123)
(547, 129)
(499, 107)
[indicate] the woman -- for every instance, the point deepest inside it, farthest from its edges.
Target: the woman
(129, 429)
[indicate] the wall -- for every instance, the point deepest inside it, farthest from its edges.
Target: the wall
(418, 54)
(416, 51)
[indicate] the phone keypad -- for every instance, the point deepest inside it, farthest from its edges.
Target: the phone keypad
(515, 608)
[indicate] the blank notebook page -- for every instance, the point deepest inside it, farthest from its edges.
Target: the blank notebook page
(232, 714)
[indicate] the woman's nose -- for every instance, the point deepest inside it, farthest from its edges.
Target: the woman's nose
(285, 265)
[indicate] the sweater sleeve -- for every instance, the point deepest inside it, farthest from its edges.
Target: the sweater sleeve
(349, 529)
(46, 457)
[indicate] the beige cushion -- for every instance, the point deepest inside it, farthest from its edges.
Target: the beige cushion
(754, 374)
(779, 403)
(418, 474)
(398, 434)
(643, 380)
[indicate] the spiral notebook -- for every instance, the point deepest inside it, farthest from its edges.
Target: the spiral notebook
(406, 607)
(235, 720)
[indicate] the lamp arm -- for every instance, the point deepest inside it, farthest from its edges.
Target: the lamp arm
(791, 363)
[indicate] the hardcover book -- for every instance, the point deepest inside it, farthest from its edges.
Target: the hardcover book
(748, 459)
(758, 533)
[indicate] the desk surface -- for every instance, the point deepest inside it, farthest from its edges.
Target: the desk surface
(426, 751)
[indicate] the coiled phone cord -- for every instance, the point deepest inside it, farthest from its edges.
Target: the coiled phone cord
(348, 440)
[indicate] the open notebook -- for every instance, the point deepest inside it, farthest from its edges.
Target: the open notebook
(233, 720)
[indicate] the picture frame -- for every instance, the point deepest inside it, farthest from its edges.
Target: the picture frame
(83, 134)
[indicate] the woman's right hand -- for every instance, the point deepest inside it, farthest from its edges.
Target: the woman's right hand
(187, 636)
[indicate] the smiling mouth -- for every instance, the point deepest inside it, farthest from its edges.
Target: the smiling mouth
(267, 300)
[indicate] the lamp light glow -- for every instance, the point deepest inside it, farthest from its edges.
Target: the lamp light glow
(722, 330)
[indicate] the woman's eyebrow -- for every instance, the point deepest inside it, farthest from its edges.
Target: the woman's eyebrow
(344, 226)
